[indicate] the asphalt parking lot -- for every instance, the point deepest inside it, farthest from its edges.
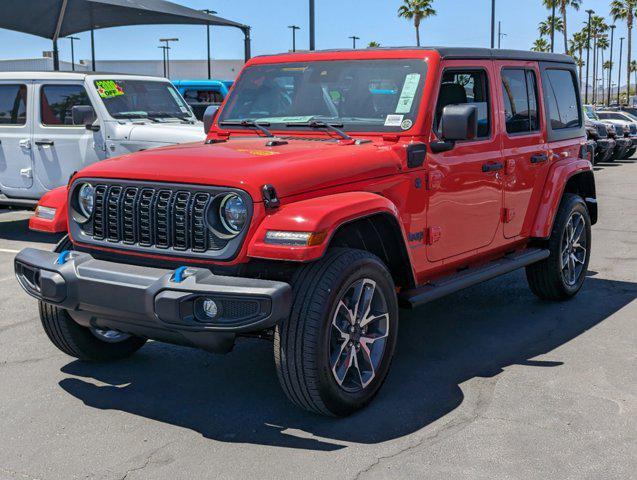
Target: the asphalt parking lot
(488, 383)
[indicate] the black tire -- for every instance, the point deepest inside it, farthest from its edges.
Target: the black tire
(546, 278)
(302, 344)
(78, 341)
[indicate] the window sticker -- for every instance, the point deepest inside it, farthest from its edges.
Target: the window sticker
(409, 92)
(108, 88)
(393, 120)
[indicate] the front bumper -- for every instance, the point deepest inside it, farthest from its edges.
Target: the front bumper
(155, 303)
(605, 149)
(622, 146)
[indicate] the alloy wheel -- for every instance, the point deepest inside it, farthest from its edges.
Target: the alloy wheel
(358, 335)
(574, 249)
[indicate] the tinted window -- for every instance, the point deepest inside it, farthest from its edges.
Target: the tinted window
(56, 102)
(611, 116)
(459, 87)
(13, 104)
(520, 101)
(562, 98)
(203, 96)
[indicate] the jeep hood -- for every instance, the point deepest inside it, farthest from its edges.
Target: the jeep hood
(300, 166)
(167, 133)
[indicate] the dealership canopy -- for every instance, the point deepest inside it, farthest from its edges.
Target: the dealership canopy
(55, 19)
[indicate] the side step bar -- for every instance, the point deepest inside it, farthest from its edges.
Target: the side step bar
(472, 276)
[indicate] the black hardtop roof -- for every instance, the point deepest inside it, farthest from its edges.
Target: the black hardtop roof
(467, 53)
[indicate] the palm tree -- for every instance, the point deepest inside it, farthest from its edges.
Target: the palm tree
(578, 43)
(563, 5)
(625, 10)
(541, 45)
(598, 28)
(416, 10)
(602, 45)
(373, 44)
(633, 68)
(545, 27)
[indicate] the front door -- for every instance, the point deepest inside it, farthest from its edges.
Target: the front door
(465, 189)
(524, 148)
(61, 148)
(16, 119)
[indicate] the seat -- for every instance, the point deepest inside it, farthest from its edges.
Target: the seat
(451, 93)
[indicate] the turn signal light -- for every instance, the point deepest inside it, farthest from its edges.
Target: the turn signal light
(298, 239)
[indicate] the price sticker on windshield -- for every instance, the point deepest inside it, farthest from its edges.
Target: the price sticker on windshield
(408, 94)
(108, 88)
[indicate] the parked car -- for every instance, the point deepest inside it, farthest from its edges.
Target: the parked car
(53, 124)
(622, 132)
(200, 94)
(311, 214)
(598, 132)
(622, 118)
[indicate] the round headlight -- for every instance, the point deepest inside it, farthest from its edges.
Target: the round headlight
(86, 199)
(233, 212)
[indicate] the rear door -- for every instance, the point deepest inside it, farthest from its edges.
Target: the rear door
(60, 147)
(524, 147)
(16, 119)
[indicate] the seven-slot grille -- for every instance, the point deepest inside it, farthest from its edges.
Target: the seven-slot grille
(602, 131)
(164, 218)
(633, 129)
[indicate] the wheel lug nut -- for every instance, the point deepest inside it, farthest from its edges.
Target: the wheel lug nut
(352, 329)
(358, 347)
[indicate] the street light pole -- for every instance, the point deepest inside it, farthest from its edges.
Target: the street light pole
(354, 38)
(500, 35)
(619, 80)
(72, 52)
(312, 32)
(610, 72)
(492, 23)
(163, 51)
(553, 28)
(588, 51)
(294, 28)
(167, 50)
(209, 12)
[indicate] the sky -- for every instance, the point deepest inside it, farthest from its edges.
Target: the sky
(457, 23)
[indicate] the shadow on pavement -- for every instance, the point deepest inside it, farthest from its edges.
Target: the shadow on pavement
(236, 398)
(18, 230)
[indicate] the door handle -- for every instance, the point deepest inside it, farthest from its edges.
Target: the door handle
(492, 167)
(44, 143)
(539, 158)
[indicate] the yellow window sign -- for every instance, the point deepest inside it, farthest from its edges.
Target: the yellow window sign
(108, 88)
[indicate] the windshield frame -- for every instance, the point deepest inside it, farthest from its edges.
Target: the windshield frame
(91, 84)
(286, 125)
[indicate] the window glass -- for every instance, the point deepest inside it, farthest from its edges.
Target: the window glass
(611, 116)
(460, 87)
(57, 102)
(203, 96)
(362, 95)
(563, 109)
(520, 100)
(13, 104)
(155, 100)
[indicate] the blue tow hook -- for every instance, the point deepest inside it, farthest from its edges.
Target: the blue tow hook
(63, 257)
(180, 275)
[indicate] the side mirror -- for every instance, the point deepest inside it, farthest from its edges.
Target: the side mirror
(209, 117)
(459, 122)
(83, 115)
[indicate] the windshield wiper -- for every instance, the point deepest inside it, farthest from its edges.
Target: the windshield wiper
(131, 115)
(183, 116)
(250, 124)
(332, 127)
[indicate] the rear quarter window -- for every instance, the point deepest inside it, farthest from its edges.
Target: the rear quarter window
(561, 93)
(13, 104)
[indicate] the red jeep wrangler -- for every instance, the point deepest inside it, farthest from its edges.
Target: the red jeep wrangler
(333, 188)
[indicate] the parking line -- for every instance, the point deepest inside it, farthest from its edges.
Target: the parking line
(6, 250)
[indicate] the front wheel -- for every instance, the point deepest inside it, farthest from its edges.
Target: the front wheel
(334, 352)
(562, 274)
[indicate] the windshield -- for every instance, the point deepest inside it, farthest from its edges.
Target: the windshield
(590, 113)
(361, 95)
(142, 99)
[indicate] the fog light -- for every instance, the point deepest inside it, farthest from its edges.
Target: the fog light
(206, 309)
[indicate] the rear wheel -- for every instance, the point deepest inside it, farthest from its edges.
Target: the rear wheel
(89, 344)
(334, 352)
(562, 274)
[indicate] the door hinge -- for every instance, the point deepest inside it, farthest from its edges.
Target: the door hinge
(508, 214)
(433, 235)
(434, 180)
(25, 143)
(26, 173)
